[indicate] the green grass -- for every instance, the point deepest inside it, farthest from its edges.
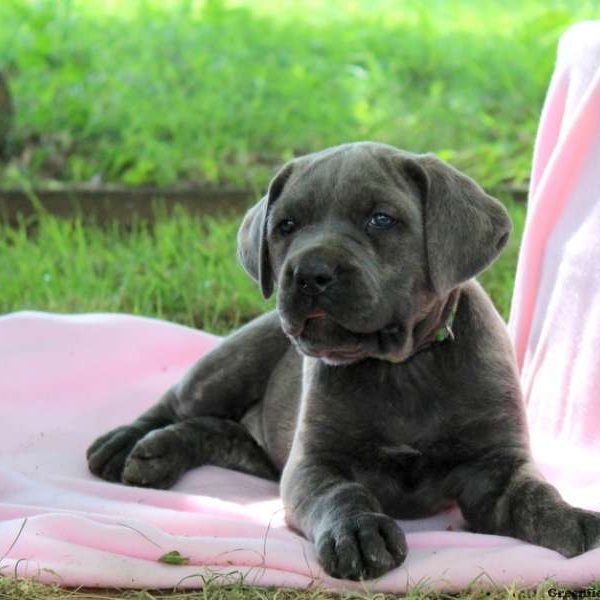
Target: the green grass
(29, 590)
(176, 91)
(183, 269)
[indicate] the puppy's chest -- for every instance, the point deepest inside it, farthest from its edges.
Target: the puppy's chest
(408, 454)
(414, 423)
(410, 447)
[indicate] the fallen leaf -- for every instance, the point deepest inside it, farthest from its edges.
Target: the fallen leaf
(174, 558)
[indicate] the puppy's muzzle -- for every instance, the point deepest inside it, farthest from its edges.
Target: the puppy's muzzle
(314, 274)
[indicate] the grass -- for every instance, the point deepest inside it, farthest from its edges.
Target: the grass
(183, 269)
(28, 590)
(219, 91)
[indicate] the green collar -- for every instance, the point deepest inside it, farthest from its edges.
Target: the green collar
(445, 331)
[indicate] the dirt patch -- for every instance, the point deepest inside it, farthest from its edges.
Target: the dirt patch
(6, 113)
(122, 205)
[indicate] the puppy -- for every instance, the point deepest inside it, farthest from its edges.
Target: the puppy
(384, 385)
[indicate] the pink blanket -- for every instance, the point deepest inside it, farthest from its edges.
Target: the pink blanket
(555, 320)
(65, 379)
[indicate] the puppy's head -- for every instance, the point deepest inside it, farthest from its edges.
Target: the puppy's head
(364, 241)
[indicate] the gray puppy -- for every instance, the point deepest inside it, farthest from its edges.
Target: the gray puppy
(384, 386)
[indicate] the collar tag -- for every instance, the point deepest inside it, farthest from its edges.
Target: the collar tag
(445, 332)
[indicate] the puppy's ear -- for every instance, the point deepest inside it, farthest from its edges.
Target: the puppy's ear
(248, 238)
(253, 251)
(465, 229)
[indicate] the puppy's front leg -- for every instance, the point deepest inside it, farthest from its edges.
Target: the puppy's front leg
(503, 494)
(353, 538)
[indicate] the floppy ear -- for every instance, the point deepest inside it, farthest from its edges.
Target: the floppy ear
(253, 251)
(465, 229)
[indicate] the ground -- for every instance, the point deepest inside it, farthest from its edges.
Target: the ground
(26, 590)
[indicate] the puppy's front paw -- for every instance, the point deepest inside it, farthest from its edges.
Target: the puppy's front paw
(584, 536)
(571, 531)
(106, 456)
(158, 460)
(361, 547)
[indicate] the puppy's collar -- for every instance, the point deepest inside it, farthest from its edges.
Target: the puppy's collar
(443, 333)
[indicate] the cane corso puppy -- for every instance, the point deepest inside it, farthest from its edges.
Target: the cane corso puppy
(384, 385)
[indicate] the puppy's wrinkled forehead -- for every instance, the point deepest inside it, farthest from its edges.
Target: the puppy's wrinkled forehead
(349, 180)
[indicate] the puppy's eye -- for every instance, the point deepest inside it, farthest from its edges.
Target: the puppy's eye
(286, 226)
(381, 221)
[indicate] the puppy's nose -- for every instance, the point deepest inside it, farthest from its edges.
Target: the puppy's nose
(314, 275)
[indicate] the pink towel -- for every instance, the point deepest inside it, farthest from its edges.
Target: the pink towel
(65, 379)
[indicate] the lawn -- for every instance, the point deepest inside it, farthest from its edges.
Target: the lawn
(181, 93)
(26, 590)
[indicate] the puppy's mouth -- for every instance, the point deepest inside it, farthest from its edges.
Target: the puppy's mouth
(337, 358)
(331, 355)
(318, 313)
(295, 325)
(298, 325)
(319, 335)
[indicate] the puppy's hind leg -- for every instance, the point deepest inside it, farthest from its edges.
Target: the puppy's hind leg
(163, 455)
(224, 384)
